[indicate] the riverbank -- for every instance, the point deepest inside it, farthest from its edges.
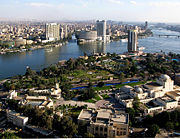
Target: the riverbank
(146, 34)
(13, 64)
(30, 48)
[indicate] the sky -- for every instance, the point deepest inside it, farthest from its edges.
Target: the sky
(118, 10)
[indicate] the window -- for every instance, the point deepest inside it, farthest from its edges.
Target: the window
(96, 128)
(105, 129)
(118, 133)
(124, 133)
(101, 128)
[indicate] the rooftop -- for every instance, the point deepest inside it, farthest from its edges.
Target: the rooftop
(85, 114)
(36, 98)
(167, 99)
(174, 93)
(120, 118)
(103, 115)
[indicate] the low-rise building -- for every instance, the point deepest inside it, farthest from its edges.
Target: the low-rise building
(16, 118)
(153, 106)
(168, 102)
(12, 94)
(53, 92)
(105, 122)
(39, 101)
(162, 94)
(174, 94)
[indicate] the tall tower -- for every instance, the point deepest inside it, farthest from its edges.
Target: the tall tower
(146, 25)
(65, 31)
(61, 33)
(101, 29)
(52, 31)
(132, 40)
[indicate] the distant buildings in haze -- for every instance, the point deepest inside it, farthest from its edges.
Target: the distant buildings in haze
(146, 24)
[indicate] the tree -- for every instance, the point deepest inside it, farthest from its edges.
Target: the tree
(100, 84)
(8, 135)
(131, 113)
(152, 131)
(88, 135)
(136, 105)
(169, 126)
(30, 72)
(121, 76)
(67, 127)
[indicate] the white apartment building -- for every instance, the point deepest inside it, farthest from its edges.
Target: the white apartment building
(16, 118)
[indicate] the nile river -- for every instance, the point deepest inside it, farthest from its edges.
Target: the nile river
(16, 63)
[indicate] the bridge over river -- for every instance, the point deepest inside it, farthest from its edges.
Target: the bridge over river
(167, 35)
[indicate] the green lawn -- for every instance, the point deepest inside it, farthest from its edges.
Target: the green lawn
(102, 88)
(97, 97)
(84, 75)
(105, 96)
(90, 101)
(118, 86)
(130, 84)
(93, 100)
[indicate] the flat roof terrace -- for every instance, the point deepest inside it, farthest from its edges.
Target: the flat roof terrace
(167, 99)
(174, 93)
(120, 118)
(85, 115)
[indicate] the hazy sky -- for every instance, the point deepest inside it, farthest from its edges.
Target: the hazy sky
(120, 10)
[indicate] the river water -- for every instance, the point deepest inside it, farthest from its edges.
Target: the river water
(16, 63)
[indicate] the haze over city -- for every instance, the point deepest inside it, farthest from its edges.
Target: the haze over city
(119, 10)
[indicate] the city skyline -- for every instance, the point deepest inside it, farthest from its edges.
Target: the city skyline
(119, 10)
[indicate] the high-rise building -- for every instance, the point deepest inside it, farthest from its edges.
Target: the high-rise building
(132, 40)
(52, 31)
(61, 33)
(65, 31)
(101, 29)
(146, 25)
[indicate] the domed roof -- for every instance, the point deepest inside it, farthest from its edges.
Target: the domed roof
(165, 77)
(127, 86)
(138, 90)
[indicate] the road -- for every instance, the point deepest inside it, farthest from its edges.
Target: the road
(73, 103)
(111, 102)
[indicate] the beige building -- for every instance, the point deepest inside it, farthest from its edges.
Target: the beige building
(39, 101)
(105, 122)
(12, 94)
(156, 96)
(20, 42)
(168, 102)
(53, 92)
(53, 31)
(174, 94)
(16, 118)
